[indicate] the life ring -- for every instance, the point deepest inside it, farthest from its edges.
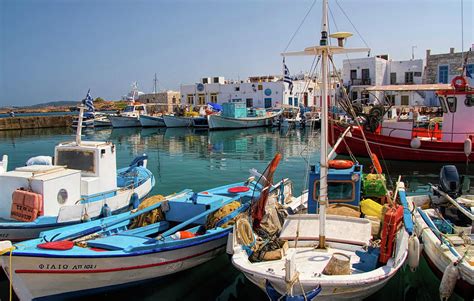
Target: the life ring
(459, 82)
(376, 163)
(340, 164)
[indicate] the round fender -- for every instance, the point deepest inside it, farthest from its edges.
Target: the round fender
(415, 143)
(340, 164)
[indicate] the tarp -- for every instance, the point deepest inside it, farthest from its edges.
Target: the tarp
(216, 107)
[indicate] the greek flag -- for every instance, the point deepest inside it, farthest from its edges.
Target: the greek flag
(89, 102)
(286, 77)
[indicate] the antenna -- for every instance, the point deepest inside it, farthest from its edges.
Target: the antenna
(413, 52)
(155, 84)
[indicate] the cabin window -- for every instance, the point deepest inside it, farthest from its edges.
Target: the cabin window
(469, 102)
(76, 159)
(443, 104)
(140, 108)
(451, 101)
(338, 191)
(128, 109)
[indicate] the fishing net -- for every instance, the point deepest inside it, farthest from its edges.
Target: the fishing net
(151, 217)
(214, 218)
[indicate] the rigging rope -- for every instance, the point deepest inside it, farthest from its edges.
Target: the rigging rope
(299, 27)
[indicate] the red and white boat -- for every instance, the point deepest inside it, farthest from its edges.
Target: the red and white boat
(399, 140)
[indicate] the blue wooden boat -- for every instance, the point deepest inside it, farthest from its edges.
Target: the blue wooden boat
(114, 251)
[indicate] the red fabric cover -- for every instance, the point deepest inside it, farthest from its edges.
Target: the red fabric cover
(238, 189)
(61, 245)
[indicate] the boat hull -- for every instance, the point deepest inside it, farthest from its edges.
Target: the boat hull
(177, 122)
(124, 121)
(394, 148)
(439, 258)
(220, 122)
(151, 121)
(83, 274)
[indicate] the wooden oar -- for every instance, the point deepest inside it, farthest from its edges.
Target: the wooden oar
(104, 226)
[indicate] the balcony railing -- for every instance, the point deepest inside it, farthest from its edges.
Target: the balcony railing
(361, 81)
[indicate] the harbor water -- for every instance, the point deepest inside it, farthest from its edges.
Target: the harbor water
(186, 158)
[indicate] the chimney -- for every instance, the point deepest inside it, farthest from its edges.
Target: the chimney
(428, 52)
(451, 50)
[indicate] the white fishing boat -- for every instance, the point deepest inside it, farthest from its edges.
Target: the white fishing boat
(173, 121)
(129, 117)
(151, 121)
(235, 115)
(444, 222)
(83, 184)
(321, 255)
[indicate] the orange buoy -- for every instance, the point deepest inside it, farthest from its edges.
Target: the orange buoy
(340, 164)
(376, 163)
(183, 235)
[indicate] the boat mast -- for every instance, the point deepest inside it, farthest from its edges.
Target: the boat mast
(155, 82)
(323, 181)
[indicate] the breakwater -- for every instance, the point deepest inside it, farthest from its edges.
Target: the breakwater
(34, 122)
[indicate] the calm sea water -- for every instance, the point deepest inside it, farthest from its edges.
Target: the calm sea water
(186, 158)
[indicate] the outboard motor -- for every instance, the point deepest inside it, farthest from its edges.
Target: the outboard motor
(449, 180)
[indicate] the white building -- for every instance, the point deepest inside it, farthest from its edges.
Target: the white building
(358, 74)
(259, 91)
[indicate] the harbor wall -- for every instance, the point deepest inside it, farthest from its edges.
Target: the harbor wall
(34, 122)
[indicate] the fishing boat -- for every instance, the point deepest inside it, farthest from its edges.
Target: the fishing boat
(401, 140)
(235, 115)
(164, 236)
(129, 117)
(82, 184)
(178, 121)
(151, 121)
(346, 263)
(443, 221)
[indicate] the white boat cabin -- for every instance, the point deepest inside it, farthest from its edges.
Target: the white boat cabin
(80, 172)
(134, 110)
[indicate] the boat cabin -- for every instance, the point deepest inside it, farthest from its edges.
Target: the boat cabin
(80, 171)
(134, 110)
(344, 186)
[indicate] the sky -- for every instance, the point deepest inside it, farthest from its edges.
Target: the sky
(55, 50)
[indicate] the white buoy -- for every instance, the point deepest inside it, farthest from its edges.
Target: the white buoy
(448, 282)
(415, 142)
(467, 147)
(413, 252)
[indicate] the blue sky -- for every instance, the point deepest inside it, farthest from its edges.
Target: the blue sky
(53, 50)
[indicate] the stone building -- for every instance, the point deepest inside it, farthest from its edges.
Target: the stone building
(442, 68)
(165, 101)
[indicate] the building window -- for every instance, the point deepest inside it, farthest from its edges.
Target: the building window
(417, 74)
(393, 78)
(353, 74)
(174, 100)
(249, 102)
(260, 87)
(237, 88)
(354, 95)
(405, 100)
(391, 99)
(214, 97)
(443, 74)
(296, 101)
(408, 77)
(190, 99)
(201, 99)
(290, 101)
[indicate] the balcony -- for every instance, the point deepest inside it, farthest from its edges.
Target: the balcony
(360, 81)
